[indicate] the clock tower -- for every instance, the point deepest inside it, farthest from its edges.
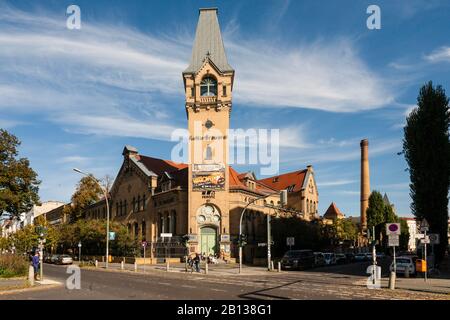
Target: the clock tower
(208, 83)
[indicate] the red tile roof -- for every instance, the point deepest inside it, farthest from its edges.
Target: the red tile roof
(159, 166)
(333, 212)
(286, 180)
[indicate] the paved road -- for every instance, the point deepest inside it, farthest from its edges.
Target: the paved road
(338, 282)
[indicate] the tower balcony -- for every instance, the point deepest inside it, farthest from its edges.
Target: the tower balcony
(210, 99)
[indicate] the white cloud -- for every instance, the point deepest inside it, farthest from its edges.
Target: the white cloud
(326, 76)
(103, 73)
(73, 159)
(439, 55)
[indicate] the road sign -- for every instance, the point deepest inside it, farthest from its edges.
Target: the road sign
(393, 240)
(393, 228)
(144, 244)
(290, 241)
(420, 235)
(262, 244)
(424, 226)
(434, 238)
(166, 235)
(425, 240)
(112, 235)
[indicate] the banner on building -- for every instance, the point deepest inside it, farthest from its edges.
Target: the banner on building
(208, 176)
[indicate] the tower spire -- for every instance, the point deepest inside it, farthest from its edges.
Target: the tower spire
(208, 43)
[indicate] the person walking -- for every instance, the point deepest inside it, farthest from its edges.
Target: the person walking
(197, 262)
(35, 263)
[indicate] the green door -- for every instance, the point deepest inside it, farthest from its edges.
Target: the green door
(208, 241)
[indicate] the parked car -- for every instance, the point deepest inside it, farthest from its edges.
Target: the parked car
(54, 258)
(404, 263)
(350, 257)
(362, 257)
(297, 259)
(319, 259)
(48, 258)
(65, 259)
(330, 258)
(341, 258)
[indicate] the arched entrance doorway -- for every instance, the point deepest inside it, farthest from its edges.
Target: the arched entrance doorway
(208, 240)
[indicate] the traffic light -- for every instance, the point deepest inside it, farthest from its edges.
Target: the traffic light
(242, 240)
(184, 240)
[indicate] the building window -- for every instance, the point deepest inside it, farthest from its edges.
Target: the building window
(138, 203)
(224, 91)
(208, 87)
(208, 155)
(117, 208)
(121, 208)
(143, 202)
(193, 92)
(134, 204)
(136, 230)
(125, 207)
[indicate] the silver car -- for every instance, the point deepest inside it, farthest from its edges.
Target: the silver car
(65, 259)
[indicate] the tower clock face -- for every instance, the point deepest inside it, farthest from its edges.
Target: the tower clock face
(208, 124)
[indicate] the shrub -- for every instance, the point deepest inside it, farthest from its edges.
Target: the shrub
(13, 266)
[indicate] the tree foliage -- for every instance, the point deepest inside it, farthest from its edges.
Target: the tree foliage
(88, 192)
(426, 146)
(19, 185)
(376, 211)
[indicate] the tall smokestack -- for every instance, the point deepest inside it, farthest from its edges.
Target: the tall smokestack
(365, 182)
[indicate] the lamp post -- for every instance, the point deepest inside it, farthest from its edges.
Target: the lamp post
(105, 192)
(79, 252)
(240, 229)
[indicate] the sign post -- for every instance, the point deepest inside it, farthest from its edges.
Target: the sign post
(144, 245)
(290, 241)
(393, 231)
(424, 227)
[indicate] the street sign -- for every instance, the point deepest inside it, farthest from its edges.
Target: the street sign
(166, 235)
(112, 235)
(434, 238)
(393, 240)
(144, 244)
(290, 241)
(262, 244)
(393, 228)
(425, 240)
(424, 226)
(420, 235)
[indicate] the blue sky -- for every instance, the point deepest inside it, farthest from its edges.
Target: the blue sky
(311, 69)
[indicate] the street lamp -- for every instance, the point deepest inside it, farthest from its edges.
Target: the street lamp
(79, 252)
(268, 228)
(105, 192)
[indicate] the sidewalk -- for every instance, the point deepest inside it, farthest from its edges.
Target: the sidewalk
(219, 269)
(13, 283)
(440, 286)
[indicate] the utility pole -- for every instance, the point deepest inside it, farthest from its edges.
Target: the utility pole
(269, 241)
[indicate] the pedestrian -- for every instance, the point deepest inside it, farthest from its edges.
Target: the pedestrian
(197, 262)
(35, 264)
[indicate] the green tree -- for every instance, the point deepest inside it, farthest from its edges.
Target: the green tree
(375, 213)
(426, 146)
(19, 185)
(25, 239)
(87, 192)
(404, 235)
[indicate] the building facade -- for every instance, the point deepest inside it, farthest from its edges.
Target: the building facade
(205, 197)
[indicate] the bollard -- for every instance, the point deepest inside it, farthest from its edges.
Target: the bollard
(121, 265)
(206, 267)
(167, 265)
(271, 265)
(392, 281)
(407, 273)
(96, 263)
(135, 266)
(279, 266)
(31, 276)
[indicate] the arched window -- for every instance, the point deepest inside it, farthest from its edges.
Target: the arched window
(136, 230)
(144, 227)
(143, 202)
(208, 87)
(134, 204)
(139, 203)
(208, 155)
(121, 208)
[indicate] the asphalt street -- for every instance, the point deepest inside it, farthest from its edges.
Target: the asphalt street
(335, 282)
